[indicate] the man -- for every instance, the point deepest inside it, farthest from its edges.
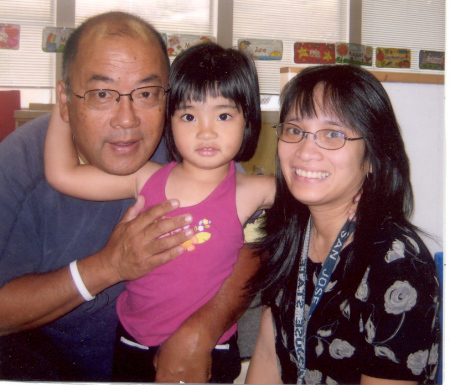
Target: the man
(51, 328)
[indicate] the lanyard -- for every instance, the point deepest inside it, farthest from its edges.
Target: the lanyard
(321, 284)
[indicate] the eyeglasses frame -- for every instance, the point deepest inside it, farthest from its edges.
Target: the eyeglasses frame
(314, 134)
(118, 99)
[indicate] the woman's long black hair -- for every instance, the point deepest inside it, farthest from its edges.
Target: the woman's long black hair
(358, 99)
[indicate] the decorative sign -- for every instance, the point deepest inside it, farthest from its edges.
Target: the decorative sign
(262, 49)
(54, 39)
(178, 43)
(393, 58)
(354, 54)
(432, 60)
(314, 53)
(9, 36)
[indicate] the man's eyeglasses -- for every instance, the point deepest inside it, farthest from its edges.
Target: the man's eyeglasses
(103, 99)
(326, 139)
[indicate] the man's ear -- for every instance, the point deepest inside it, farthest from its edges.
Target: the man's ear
(62, 98)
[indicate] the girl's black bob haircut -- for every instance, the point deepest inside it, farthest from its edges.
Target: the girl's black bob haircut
(207, 69)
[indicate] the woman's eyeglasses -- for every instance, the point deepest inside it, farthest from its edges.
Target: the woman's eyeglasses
(326, 139)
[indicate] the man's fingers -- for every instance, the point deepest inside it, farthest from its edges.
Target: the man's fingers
(172, 244)
(167, 226)
(155, 213)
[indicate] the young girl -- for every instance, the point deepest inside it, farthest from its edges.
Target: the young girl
(213, 121)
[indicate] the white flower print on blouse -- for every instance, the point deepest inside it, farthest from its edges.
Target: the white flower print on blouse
(327, 330)
(434, 354)
(340, 349)
(399, 298)
(319, 348)
(417, 361)
(397, 251)
(363, 290)
(383, 351)
(330, 286)
(370, 330)
(313, 377)
(330, 381)
(345, 309)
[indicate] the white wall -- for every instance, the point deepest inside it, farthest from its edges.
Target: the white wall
(420, 113)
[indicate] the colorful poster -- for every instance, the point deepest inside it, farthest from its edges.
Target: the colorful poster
(54, 39)
(178, 43)
(262, 49)
(393, 57)
(314, 53)
(354, 54)
(431, 60)
(9, 36)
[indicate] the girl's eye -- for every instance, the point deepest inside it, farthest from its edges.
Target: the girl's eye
(188, 118)
(224, 116)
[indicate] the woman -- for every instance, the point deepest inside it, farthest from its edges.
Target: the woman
(369, 314)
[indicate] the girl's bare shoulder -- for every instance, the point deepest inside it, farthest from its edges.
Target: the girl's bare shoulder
(259, 189)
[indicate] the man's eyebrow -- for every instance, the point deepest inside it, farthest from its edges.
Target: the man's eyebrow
(150, 79)
(103, 78)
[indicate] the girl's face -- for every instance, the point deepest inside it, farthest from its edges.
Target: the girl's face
(318, 177)
(208, 134)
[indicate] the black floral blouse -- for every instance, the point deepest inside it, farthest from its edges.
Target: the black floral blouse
(388, 329)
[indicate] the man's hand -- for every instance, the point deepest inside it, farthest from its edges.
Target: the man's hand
(142, 242)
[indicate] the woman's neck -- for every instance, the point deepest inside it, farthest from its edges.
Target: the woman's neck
(326, 226)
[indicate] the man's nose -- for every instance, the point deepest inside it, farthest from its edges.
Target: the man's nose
(125, 113)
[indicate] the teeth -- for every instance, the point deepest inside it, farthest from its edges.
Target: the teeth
(311, 174)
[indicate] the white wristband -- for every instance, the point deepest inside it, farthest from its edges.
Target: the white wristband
(79, 282)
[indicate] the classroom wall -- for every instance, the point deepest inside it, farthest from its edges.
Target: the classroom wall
(420, 113)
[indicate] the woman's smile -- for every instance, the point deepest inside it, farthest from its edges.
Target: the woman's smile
(311, 174)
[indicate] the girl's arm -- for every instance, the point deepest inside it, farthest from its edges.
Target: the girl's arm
(65, 174)
(263, 368)
(253, 193)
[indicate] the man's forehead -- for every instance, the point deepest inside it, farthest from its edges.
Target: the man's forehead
(108, 30)
(128, 51)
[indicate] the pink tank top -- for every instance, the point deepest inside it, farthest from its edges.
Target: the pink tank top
(153, 307)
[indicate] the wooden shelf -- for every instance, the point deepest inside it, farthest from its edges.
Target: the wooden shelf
(394, 77)
(23, 116)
